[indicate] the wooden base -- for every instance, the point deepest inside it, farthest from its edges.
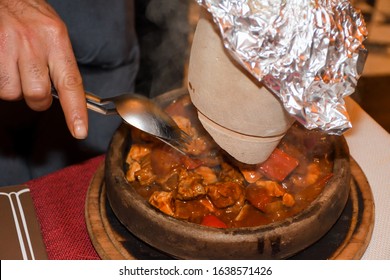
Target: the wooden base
(347, 239)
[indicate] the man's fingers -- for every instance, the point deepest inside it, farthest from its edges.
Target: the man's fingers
(66, 78)
(70, 90)
(34, 75)
(10, 88)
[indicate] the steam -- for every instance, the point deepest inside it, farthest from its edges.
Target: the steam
(167, 58)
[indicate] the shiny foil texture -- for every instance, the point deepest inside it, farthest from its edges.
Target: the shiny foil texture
(309, 53)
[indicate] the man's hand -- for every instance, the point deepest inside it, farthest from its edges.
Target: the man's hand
(35, 51)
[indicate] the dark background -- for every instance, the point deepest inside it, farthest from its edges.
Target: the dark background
(163, 30)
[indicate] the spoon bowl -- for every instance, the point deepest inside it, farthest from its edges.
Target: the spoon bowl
(145, 115)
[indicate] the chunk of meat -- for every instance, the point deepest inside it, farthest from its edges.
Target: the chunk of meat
(229, 173)
(145, 175)
(274, 189)
(133, 168)
(200, 144)
(169, 182)
(269, 196)
(137, 152)
(225, 194)
(258, 196)
(309, 176)
(251, 175)
(209, 176)
(164, 160)
(190, 186)
(288, 200)
(163, 201)
(185, 124)
(190, 210)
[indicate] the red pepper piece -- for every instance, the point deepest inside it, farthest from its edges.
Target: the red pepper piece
(213, 221)
(278, 165)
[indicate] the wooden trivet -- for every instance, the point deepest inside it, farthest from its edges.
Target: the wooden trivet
(347, 239)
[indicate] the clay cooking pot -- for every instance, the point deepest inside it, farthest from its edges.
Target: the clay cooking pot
(186, 240)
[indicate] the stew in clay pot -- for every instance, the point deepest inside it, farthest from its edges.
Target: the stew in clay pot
(208, 206)
(210, 188)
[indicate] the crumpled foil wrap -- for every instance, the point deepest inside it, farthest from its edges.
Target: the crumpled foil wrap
(307, 52)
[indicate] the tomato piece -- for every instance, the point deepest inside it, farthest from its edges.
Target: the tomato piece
(213, 221)
(278, 165)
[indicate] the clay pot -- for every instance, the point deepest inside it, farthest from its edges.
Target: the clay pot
(242, 116)
(186, 240)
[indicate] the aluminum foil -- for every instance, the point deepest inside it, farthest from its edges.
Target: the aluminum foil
(307, 52)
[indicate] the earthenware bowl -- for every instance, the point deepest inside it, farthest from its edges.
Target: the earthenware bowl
(185, 240)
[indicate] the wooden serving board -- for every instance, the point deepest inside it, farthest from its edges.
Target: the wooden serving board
(347, 239)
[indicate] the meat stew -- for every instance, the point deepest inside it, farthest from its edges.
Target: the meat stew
(212, 189)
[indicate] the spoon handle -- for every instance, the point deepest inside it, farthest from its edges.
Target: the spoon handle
(94, 103)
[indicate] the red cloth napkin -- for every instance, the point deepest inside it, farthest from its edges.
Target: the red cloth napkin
(59, 200)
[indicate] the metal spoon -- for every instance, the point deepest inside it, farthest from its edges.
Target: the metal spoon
(142, 113)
